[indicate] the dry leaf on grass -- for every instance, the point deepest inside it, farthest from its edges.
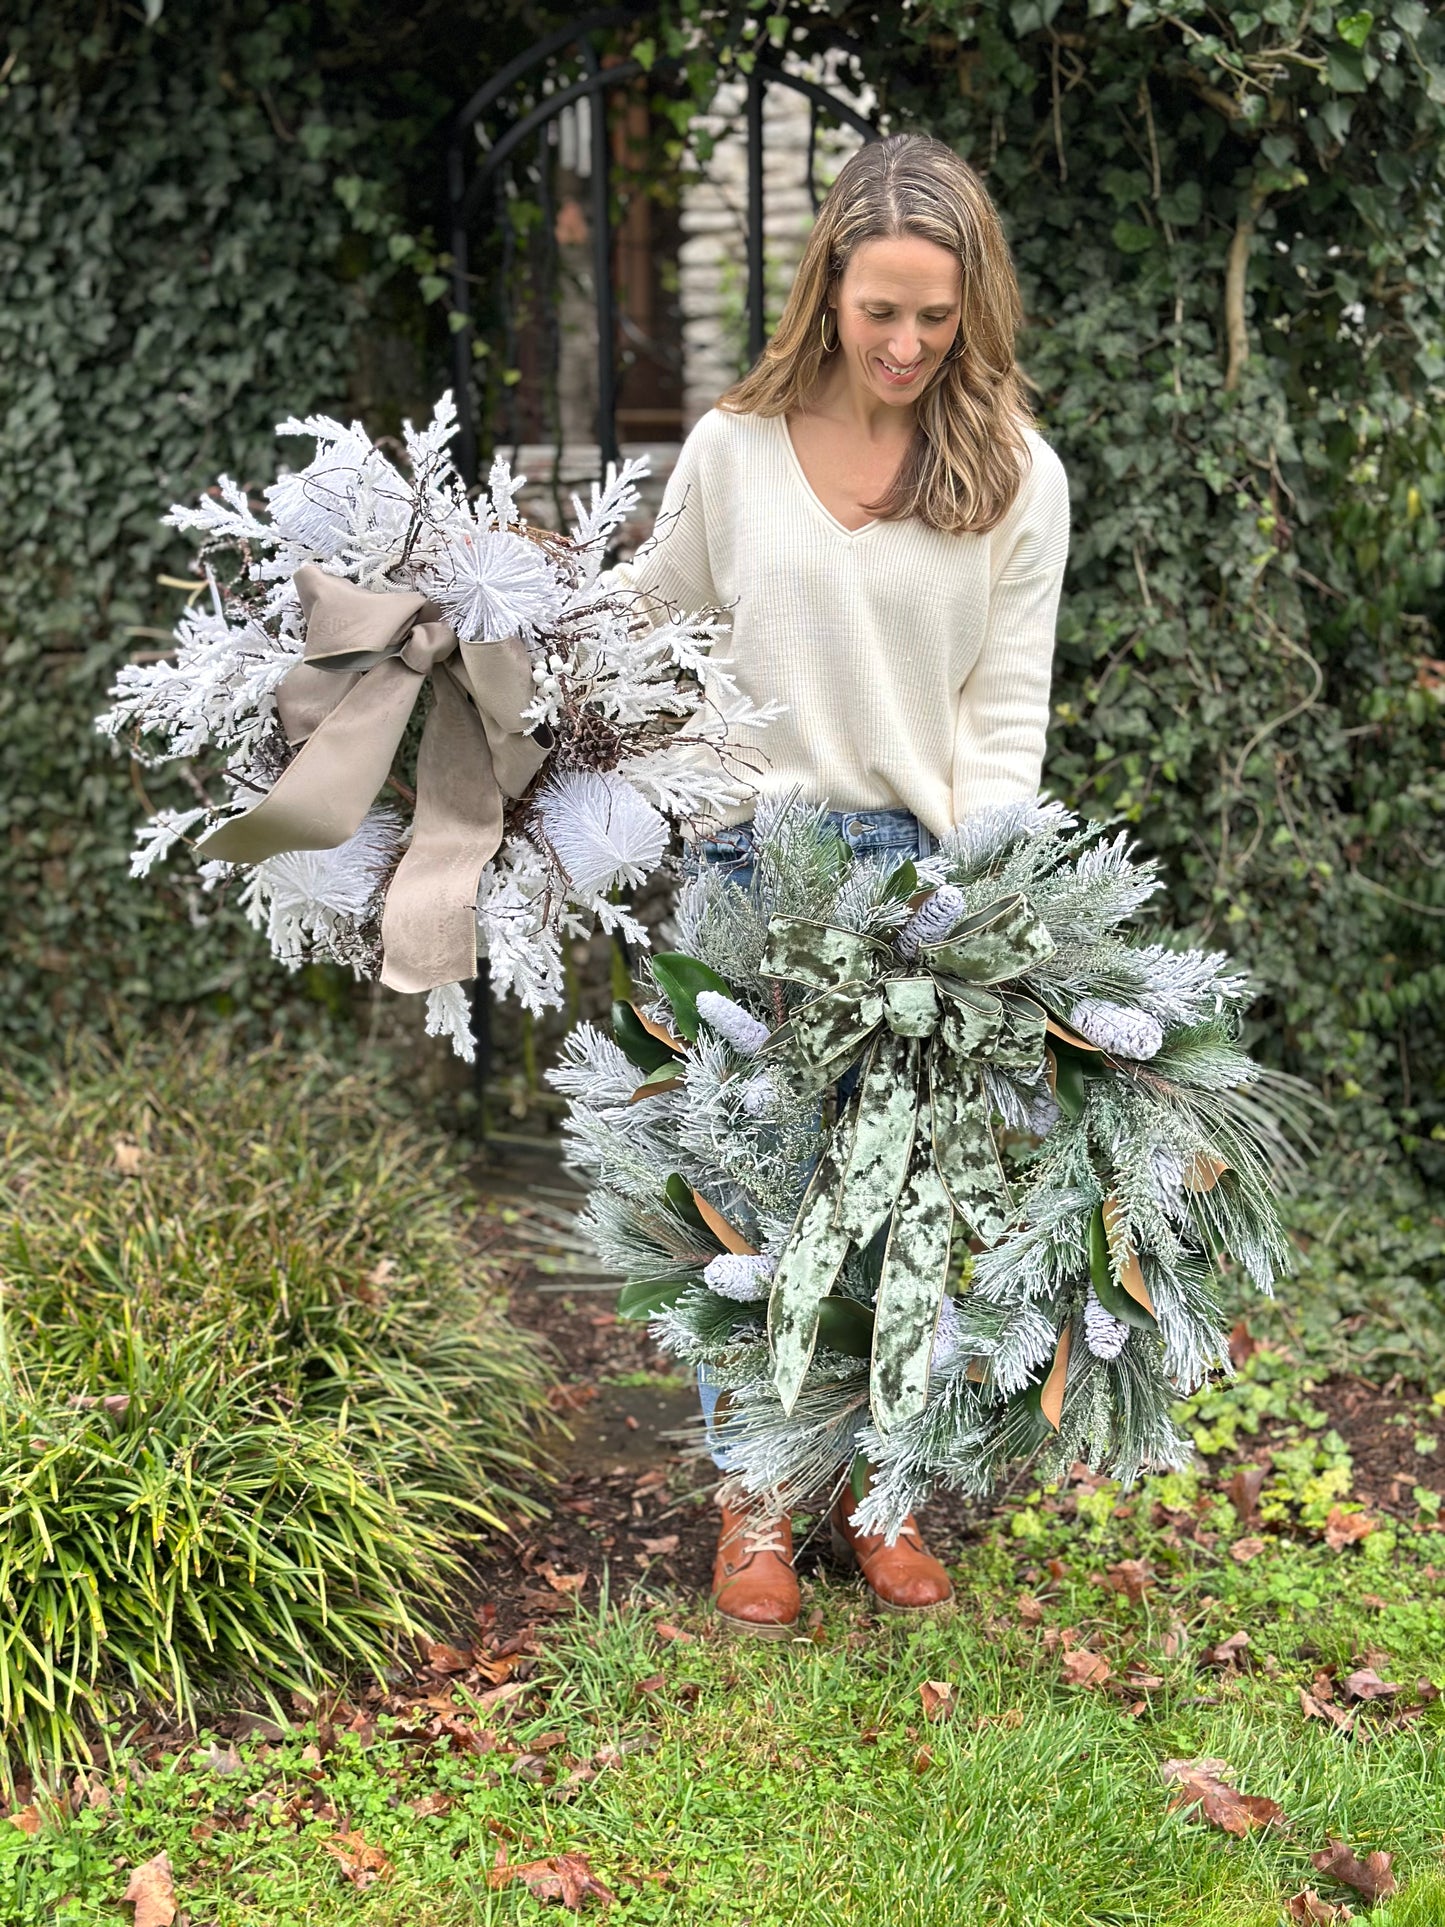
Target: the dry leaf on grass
(27, 1819)
(129, 1157)
(429, 1804)
(1083, 1668)
(1314, 1912)
(152, 1892)
(1244, 1488)
(1314, 1708)
(1344, 1528)
(1227, 1652)
(1029, 1609)
(938, 1700)
(442, 1658)
(659, 1548)
(1201, 1786)
(665, 1630)
(362, 1865)
(1370, 1877)
(1243, 1550)
(567, 1877)
(1132, 1577)
(1366, 1684)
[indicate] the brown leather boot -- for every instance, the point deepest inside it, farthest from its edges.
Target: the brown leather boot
(903, 1577)
(754, 1587)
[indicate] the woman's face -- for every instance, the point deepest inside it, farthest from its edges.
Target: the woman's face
(897, 314)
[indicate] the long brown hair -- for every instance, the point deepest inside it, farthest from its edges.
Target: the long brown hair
(965, 464)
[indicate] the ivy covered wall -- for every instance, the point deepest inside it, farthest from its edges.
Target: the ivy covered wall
(1230, 226)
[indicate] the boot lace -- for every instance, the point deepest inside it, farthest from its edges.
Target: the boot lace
(763, 1535)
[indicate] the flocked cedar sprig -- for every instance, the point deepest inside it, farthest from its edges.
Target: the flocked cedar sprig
(637, 719)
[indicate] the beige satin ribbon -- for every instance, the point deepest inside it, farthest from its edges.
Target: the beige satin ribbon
(348, 703)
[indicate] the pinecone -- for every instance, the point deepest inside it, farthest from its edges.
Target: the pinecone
(1106, 1335)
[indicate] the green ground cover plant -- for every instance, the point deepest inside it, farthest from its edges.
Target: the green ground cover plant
(253, 1397)
(1006, 1767)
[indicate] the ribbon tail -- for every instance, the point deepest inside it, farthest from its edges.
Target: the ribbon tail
(810, 1261)
(910, 1291)
(429, 919)
(964, 1149)
(883, 1133)
(323, 794)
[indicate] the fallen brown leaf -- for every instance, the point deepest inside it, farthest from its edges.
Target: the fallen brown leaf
(1200, 1785)
(1308, 1907)
(1344, 1528)
(27, 1819)
(1366, 1684)
(1315, 1708)
(1242, 1345)
(448, 1659)
(563, 1582)
(659, 1548)
(938, 1700)
(429, 1804)
(1083, 1668)
(359, 1863)
(152, 1892)
(1244, 1487)
(1029, 1609)
(1370, 1877)
(1132, 1577)
(567, 1877)
(128, 1160)
(1243, 1550)
(1227, 1652)
(667, 1631)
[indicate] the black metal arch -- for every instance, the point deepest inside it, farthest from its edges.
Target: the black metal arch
(466, 196)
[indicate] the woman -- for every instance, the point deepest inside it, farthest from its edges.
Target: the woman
(889, 531)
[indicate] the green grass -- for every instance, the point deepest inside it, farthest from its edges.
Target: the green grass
(758, 1784)
(253, 1398)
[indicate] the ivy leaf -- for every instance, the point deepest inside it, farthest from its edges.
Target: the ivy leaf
(1132, 237)
(1355, 28)
(1183, 205)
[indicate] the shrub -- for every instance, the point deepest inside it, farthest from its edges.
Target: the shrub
(251, 1398)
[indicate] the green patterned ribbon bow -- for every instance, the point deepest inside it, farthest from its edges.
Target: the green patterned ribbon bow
(918, 1145)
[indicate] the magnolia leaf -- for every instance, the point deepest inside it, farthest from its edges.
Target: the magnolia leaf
(680, 979)
(1131, 1275)
(1115, 1300)
(727, 1235)
(684, 1200)
(1051, 1394)
(902, 883)
(644, 1043)
(643, 1297)
(845, 1325)
(1203, 1171)
(1070, 1036)
(665, 1078)
(1066, 1082)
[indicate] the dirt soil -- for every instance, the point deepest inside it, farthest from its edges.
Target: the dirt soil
(633, 1498)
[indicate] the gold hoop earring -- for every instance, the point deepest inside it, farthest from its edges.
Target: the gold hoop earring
(828, 346)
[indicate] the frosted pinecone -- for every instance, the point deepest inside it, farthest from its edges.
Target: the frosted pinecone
(758, 1095)
(1043, 1110)
(1166, 1178)
(743, 1031)
(1117, 1027)
(741, 1275)
(1106, 1335)
(932, 919)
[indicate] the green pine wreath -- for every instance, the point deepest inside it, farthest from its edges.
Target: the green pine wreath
(1007, 1238)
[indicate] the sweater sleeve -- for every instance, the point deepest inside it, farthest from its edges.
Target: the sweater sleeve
(672, 567)
(1003, 708)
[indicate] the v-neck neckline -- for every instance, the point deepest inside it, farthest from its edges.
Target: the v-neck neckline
(812, 494)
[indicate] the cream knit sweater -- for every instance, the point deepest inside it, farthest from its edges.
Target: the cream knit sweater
(915, 665)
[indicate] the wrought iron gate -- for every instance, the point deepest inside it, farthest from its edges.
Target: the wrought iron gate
(507, 135)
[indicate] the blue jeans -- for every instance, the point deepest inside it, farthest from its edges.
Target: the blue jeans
(867, 833)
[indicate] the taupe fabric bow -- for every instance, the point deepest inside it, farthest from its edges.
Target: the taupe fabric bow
(348, 703)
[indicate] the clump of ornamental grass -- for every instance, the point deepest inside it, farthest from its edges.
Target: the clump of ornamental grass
(253, 1398)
